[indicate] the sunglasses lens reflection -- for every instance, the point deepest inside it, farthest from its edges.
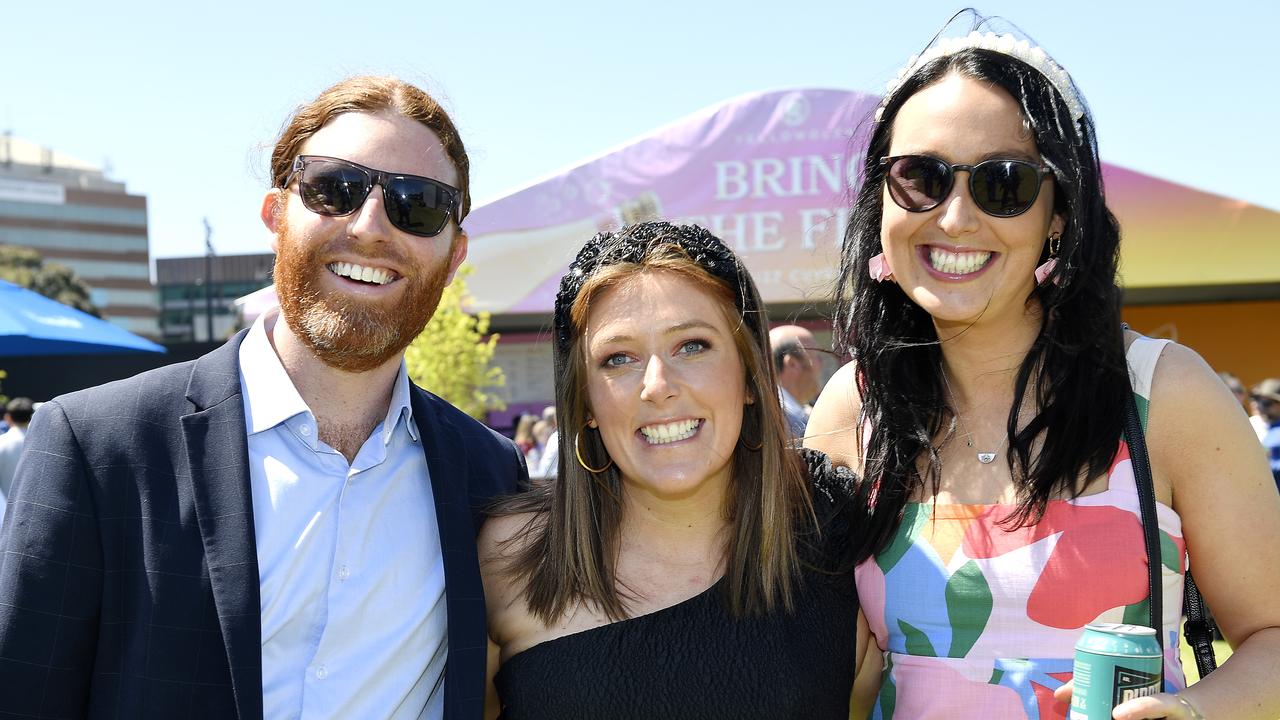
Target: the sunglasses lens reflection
(417, 207)
(919, 183)
(332, 188)
(1004, 188)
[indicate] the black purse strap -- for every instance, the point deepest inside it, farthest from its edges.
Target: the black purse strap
(1137, 442)
(1198, 630)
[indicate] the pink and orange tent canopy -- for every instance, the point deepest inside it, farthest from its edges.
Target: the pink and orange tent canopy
(769, 173)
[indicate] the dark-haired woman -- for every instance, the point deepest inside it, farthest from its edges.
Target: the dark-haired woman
(685, 563)
(985, 406)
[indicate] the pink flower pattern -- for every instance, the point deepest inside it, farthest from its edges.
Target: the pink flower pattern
(956, 599)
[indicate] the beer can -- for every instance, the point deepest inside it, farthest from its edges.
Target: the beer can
(1114, 663)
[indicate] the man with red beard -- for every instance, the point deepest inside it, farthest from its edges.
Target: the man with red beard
(286, 526)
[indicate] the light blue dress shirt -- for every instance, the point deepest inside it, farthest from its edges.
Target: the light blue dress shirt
(349, 561)
(796, 415)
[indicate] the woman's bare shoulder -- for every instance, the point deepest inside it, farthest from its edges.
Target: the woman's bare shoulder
(833, 425)
(502, 541)
(503, 537)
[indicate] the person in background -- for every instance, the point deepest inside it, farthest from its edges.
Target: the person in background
(1241, 394)
(549, 458)
(523, 435)
(17, 415)
(985, 409)
(1266, 402)
(1236, 387)
(798, 366)
(286, 526)
(541, 434)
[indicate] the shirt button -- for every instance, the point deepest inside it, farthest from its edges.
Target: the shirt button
(322, 672)
(343, 573)
(305, 429)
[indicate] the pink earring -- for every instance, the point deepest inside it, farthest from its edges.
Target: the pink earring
(878, 268)
(1042, 272)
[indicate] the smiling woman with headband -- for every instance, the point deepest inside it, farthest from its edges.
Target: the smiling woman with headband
(986, 409)
(686, 563)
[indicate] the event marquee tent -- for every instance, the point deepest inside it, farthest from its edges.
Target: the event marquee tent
(769, 173)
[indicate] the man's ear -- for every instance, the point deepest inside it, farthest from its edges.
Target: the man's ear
(273, 206)
(459, 253)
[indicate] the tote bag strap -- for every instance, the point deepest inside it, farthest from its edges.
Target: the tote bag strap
(1142, 357)
(1147, 506)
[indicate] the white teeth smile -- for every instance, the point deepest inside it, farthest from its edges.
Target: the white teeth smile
(961, 263)
(670, 432)
(377, 276)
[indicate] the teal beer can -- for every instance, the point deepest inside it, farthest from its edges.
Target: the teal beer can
(1114, 663)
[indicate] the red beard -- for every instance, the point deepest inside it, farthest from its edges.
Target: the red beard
(345, 332)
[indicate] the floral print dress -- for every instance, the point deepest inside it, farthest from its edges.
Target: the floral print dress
(979, 622)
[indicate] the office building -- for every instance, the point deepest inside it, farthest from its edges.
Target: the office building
(187, 312)
(72, 214)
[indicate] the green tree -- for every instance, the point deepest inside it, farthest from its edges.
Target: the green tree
(26, 268)
(451, 357)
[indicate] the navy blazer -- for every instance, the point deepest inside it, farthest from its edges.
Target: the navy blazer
(128, 565)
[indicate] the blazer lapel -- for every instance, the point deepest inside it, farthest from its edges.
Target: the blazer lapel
(464, 593)
(218, 457)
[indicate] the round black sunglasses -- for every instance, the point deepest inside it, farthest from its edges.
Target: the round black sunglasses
(1001, 188)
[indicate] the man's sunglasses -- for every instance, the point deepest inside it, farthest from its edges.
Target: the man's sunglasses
(1001, 188)
(417, 205)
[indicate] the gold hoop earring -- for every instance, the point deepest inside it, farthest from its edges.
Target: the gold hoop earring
(752, 448)
(1055, 243)
(577, 451)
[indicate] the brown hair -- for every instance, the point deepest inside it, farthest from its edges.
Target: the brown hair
(568, 550)
(369, 94)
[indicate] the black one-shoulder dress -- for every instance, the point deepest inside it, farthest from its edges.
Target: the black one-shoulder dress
(695, 660)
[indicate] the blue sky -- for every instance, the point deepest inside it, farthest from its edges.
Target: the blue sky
(182, 101)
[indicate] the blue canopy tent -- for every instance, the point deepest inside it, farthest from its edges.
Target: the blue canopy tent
(32, 324)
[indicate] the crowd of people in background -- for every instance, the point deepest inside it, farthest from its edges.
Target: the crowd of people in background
(536, 436)
(1262, 404)
(798, 364)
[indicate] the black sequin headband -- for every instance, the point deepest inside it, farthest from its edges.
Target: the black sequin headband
(632, 245)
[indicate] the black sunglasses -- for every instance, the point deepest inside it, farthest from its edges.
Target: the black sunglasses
(1001, 188)
(417, 205)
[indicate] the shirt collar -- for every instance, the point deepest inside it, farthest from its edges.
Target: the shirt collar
(400, 407)
(270, 397)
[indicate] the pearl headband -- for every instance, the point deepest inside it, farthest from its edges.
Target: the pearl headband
(1006, 44)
